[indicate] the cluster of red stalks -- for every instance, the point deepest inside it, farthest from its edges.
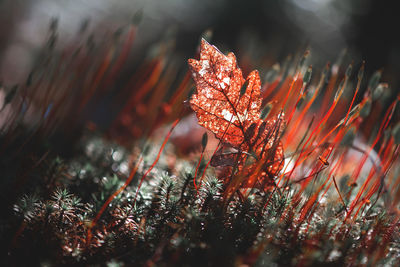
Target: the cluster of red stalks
(319, 143)
(65, 84)
(319, 117)
(322, 148)
(319, 148)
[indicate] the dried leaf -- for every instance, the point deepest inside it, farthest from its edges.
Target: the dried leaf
(229, 106)
(218, 103)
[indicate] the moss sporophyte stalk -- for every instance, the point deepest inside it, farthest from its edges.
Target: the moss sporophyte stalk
(290, 165)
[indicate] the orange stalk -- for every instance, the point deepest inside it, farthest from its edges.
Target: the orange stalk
(127, 182)
(157, 158)
(98, 77)
(121, 58)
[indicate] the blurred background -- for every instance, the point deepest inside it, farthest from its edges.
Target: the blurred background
(255, 30)
(367, 28)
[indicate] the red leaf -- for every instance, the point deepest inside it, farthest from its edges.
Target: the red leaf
(218, 103)
(231, 112)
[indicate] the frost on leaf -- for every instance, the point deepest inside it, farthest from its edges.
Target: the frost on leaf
(229, 106)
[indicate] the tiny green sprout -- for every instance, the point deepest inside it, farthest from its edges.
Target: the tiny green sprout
(137, 17)
(378, 91)
(266, 111)
(52, 41)
(387, 134)
(396, 133)
(307, 75)
(348, 138)
(146, 150)
(84, 25)
(53, 24)
(374, 81)
(204, 141)
(90, 43)
(212, 185)
(340, 90)
(118, 32)
(271, 75)
(61, 194)
(29, 79)
(349, 70)
(326, 73)
(366, 109)
(303, 59)
(360, 73)
(244, 87)
(167, 180)
(301, 101)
